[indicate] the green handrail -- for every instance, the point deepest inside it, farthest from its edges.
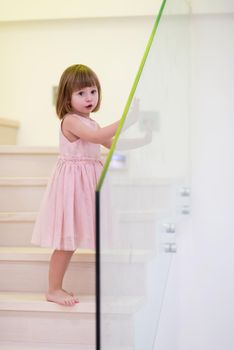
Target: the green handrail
(129, 100)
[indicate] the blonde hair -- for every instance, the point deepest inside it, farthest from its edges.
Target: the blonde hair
(75, 77)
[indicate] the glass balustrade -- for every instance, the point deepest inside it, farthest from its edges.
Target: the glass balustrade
(142, 193)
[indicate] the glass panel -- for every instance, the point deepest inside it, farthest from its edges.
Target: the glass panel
(142, 193)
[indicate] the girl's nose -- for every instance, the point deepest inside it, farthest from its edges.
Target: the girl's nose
(88, 97)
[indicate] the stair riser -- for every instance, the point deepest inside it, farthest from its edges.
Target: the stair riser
(47, 327)
(119, 279)
(16, 234)
(117, 330)
(65, 328)
(132, 235)
(32, 276)
(20, 165)
(28, 198)
(139, 198)
(80, 278)
(21, 198)
(136, 236)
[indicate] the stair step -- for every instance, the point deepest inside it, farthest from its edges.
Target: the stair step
(26, 317)
(81, 255)
(12, 301)
(41, 254)
(23, 181)
(16, 228)
(36, 302)
(45, 346)
(22, 193)
(27, 150)
(142, 194)
(138, 230)
(26, 193)
(17, 216)
(26, 269)
(27, 161)
(45, 322)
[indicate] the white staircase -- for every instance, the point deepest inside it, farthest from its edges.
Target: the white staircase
(27, 320)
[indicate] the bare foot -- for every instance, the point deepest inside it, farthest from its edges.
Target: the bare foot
(61, 297)
(72, 294)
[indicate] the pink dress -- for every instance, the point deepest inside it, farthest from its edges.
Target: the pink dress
(66, 219)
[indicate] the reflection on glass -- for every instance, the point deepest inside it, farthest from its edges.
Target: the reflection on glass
(139, 193)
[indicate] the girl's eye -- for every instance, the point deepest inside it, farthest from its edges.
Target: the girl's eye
(93, 92)
(80, 93)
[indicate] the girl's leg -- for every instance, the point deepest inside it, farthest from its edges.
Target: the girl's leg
(58, 265)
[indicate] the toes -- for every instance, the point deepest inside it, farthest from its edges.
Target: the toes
(70, 301)
(76, 300)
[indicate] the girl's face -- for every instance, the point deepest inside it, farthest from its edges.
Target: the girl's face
(84, 101)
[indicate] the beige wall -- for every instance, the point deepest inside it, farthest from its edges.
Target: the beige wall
(55, 9)
(13, 10)
(34, 54)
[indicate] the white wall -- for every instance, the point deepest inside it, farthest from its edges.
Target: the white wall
(207, 245)
(204, 265)
(212, 6)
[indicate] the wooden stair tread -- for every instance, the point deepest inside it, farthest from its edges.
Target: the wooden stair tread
(46, 346)
(52, 346)
(40, 254)
(15, 149)
(24, 181)
(81, 255)
(13, 301)
(18, 216)
(36, 302)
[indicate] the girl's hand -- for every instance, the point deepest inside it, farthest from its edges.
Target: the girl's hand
(133, 115)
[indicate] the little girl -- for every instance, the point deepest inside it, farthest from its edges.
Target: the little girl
(66, 220)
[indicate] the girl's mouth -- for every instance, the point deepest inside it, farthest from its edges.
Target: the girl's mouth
(89, 106)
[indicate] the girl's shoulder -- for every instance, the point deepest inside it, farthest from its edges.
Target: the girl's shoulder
(73, 118)
(77, 116)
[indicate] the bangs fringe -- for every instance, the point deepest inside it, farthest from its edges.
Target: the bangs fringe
(84, 78)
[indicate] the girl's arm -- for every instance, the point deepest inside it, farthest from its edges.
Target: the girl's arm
(107, 143)
(133, 115)
(101, 135)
